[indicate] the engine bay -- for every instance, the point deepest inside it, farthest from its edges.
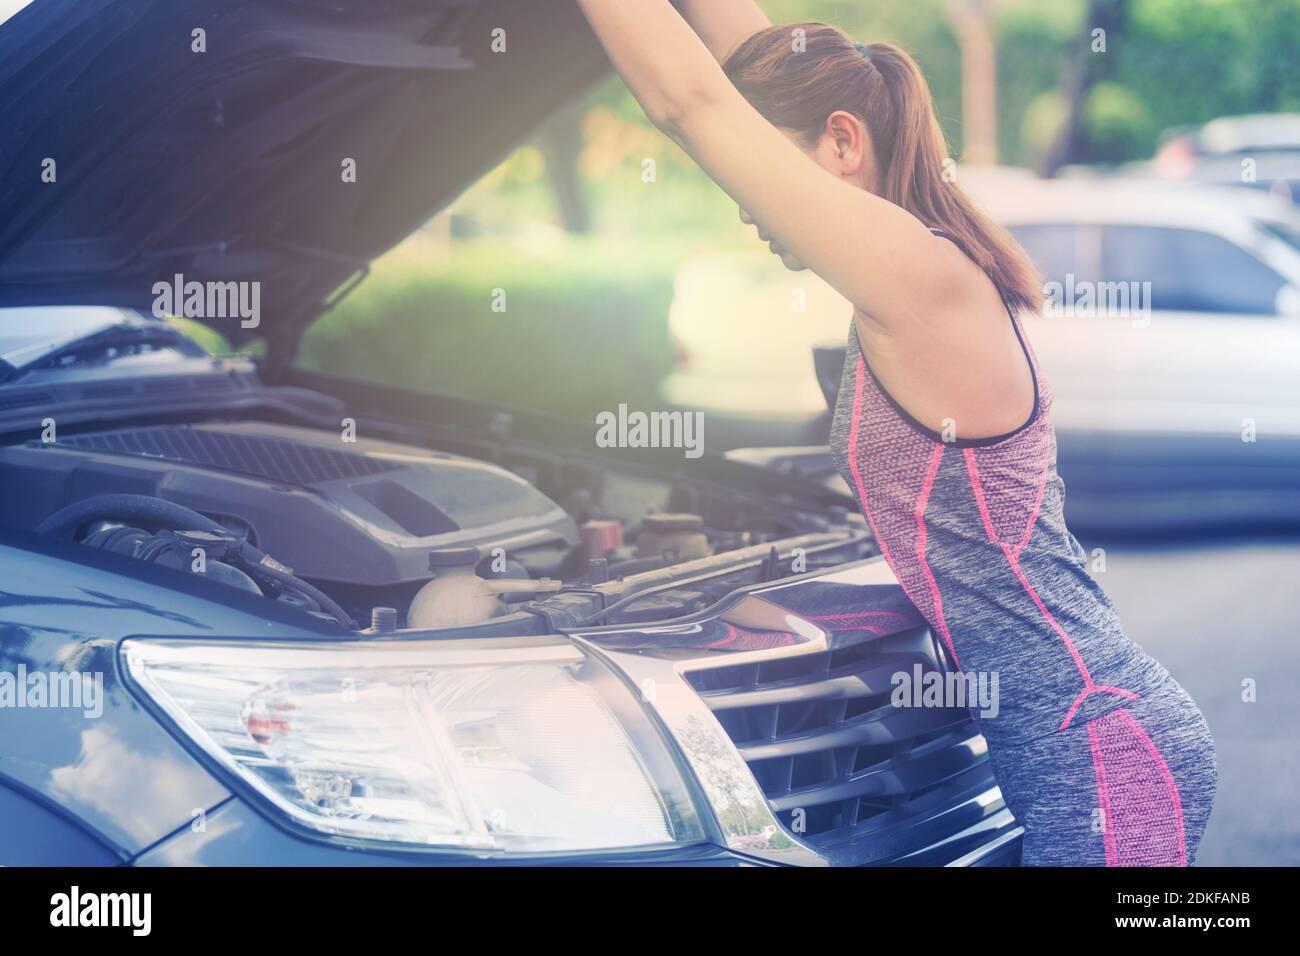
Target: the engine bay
(380, 533)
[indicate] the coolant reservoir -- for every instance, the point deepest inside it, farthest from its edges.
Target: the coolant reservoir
(458, 596)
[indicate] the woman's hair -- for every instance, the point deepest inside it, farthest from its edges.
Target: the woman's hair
(798, 74)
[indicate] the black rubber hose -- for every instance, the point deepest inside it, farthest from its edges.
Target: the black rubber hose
(157, 513)
(154, 512)
(316, 594)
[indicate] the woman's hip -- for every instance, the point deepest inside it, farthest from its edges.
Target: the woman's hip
(1131, 787)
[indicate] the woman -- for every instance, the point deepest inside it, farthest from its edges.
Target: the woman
(943, 426)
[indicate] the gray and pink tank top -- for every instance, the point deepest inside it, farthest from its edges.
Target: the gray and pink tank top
(975, 532)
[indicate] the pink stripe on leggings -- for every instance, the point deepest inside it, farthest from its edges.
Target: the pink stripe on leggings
(1142, 813)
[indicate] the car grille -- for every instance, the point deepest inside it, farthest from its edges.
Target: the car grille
(836, 759)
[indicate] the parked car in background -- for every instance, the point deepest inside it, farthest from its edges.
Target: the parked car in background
(1177, 398)
(1176, 389)
(1259, 150)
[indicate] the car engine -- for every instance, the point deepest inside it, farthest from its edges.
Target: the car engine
(401, 537)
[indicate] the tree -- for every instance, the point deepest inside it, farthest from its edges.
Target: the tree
(1103, 23)
(979, 84)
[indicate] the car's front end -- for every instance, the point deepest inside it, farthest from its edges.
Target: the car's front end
(255, 615)
(492, 677)
(650, 745)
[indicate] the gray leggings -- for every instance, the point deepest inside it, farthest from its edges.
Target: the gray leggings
(1133, 787)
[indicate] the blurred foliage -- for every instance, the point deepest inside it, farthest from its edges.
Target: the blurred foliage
(1182, 61)
(205, 335)
(576, 329)
(1176, 63)
(1040, 121)
(1118, 122)
(1193, 60)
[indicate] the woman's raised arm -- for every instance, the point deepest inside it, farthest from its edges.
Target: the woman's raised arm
(876, 254)
(724, 24)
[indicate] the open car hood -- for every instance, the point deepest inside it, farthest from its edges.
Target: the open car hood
(227, 165)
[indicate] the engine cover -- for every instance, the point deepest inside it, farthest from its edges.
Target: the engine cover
(364, 513)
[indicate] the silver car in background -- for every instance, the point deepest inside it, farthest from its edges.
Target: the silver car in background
(1171, 337)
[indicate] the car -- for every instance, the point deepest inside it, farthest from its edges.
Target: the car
(1176, 403)
(1257, 150)
(256, 615)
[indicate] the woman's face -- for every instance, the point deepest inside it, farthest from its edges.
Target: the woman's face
(844, 151)
(787, 258)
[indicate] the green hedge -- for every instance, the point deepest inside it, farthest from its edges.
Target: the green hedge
(580, 333)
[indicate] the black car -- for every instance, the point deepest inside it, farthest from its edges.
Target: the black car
(251, 614)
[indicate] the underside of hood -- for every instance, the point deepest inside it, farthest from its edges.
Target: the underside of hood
(228, 165)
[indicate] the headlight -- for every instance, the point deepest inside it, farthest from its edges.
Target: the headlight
(511, 746)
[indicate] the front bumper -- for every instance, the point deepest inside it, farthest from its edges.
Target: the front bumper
(778, 705)
(234, 834)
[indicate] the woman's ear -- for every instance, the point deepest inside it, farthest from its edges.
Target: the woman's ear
(848, 136)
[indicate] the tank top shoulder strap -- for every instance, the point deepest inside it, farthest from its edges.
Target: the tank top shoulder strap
(922, 429)
(945, 234)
